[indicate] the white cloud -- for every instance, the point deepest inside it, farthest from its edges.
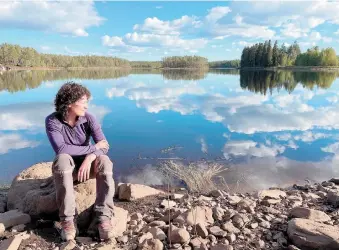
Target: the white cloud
(309, 136)
(204, 147)
(71, 18)
(14, 141)
(217, 13)
(244, 43)
(139, 40)
(159, 7)
(154, 25)
(31, 116)
(45, 48)
(250, 148)
(112, 41)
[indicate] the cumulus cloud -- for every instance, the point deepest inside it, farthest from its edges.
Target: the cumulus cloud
(31, 116)
(217, 13)
(250, 148)
(14, 141)
(154, 25)
(70, 18)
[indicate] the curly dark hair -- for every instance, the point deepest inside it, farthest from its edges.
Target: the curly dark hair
(69, 93)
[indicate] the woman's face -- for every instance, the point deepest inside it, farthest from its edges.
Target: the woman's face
(80, 106)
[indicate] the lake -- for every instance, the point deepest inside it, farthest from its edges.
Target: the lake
(269, 127)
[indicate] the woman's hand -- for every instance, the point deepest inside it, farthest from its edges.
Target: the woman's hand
(102, 145)
(85, 168)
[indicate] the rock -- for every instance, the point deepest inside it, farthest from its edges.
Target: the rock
(199, 243)
(270, 210)
(218, 213)
(177, 196)
(265, 224)
(18, 228)
(123, 239)
(216, 193)
(12, 243)
(271, 194)
(26, 194)
(128, 191)
(221, 247)
(136, 216)
(68, 245)
(309, 234)
(85, 240)
(307, 213)
(151, 244)
(157, 233)
(108, 246)
(217, 231)
(179, 235)
(2, 230)
(204, 198)
(157, 223)
(145, 237)
(13, 218)
(269, 202)
(254, 225)
(231, 237)
(239, 220)
(259, 244)
(201, 230)
(333, 198)
(199, 214)
(229, 227)
(229, 214)
(168, 204)
(3, 202)
(247, 205)
(335, 180)
(233, 199)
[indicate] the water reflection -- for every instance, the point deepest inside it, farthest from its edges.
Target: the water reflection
(261, 81)
(288, 135)
(256, 81)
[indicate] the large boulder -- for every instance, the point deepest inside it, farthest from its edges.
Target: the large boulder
(271, 194)
(196, 215)
(311, 214)
(33, 192)
(308, 234)
(130, 192)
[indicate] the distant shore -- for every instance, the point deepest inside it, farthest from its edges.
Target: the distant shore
(294, 68)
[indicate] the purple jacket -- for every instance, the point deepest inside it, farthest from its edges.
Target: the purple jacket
(74, 141)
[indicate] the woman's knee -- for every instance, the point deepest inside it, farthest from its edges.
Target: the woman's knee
(63, 162)
(105, 164)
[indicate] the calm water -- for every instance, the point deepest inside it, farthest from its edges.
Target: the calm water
(271, 128)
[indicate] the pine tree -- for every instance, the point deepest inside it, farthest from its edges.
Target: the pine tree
(275, 55)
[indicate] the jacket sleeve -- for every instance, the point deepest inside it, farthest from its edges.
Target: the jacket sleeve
(53, 130)
(96, 133)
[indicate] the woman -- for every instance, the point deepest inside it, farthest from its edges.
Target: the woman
(69, 130)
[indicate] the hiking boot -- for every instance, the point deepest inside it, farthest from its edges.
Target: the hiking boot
(68, 230)
(105, 229)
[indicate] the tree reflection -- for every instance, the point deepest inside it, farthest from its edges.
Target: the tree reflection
(262, 81)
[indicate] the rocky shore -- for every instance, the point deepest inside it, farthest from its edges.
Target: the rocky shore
(299, 217)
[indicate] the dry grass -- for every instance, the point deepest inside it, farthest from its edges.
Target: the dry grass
(199, 177)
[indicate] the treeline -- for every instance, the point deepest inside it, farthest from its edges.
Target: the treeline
(185, 62)
(14, 55)
(266, 55)
(225, 64)
(316, 57)
(146, 64)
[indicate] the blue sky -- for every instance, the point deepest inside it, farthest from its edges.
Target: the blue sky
(152, 30)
